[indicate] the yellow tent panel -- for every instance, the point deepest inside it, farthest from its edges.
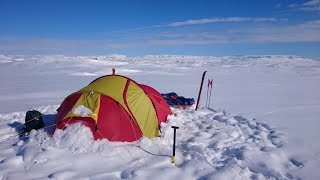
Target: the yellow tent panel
(143, 110)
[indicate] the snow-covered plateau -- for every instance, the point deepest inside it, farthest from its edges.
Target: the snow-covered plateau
(262, 123)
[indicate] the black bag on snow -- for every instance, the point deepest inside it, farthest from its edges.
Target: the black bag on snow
(33, 120)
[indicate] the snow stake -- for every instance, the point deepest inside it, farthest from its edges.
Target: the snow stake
(173, 158)
(203, 75)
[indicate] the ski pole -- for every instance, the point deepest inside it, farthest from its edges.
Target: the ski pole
(207, 93)
(210, 82)
(203, 75)
(173, 158)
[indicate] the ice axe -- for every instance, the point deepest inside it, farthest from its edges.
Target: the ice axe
(173, 158)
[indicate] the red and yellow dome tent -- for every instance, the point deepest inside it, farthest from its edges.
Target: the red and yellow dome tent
(117, 108)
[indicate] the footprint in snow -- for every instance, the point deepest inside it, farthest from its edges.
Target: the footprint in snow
(275, 139)
(296, 163)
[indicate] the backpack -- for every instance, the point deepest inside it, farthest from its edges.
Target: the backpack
(33, 120)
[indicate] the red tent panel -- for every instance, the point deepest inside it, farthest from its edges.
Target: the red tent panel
(114, 123)
(161, 106)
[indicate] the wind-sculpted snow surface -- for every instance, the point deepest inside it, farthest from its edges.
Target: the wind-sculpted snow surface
(210, 145)
(262, 123)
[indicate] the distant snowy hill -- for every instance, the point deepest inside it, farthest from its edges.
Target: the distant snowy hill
(262, 124)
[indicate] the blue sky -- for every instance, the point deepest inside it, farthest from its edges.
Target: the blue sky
(134, 28)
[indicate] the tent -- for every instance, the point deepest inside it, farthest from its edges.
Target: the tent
(115, 107)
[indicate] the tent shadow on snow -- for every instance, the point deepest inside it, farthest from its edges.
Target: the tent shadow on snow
(48, 120)
(17, 125)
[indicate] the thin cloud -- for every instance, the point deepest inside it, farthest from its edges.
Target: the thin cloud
(303, 32)
(312, 5)
(217, 20)
(268, 33)
(56, 44)
(205, 21)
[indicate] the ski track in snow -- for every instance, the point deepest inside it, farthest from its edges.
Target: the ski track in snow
(210, 145)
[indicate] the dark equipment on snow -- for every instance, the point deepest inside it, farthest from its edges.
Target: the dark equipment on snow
(177, 101)
(33, 120)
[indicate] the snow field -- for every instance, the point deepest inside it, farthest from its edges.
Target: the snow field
(263, 123)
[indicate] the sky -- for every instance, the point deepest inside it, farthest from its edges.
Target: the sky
(141, 27)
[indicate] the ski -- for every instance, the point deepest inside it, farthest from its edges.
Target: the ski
(199, 95)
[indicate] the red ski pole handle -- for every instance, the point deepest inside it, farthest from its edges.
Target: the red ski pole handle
(210, 82)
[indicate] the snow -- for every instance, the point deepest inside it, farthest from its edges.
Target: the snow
(262, 124)
(81, 111)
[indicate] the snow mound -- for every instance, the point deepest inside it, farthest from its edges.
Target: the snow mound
(76, 137)
(233, 145)
(82, 111)
(210, 145)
